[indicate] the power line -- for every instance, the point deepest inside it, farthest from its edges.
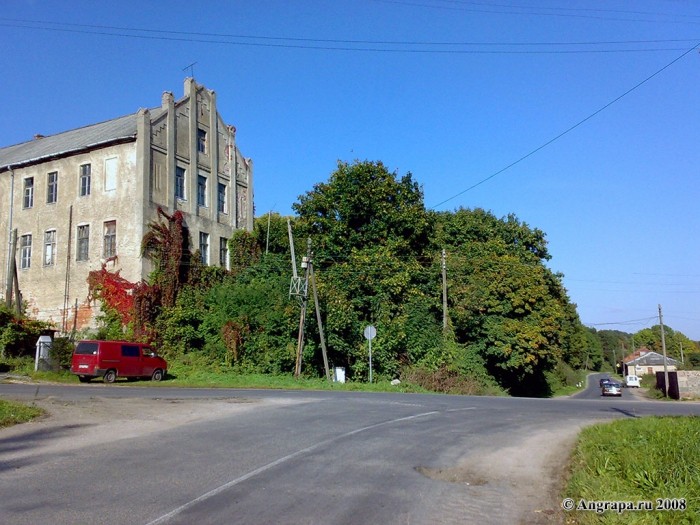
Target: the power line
(183, 36)
(631, 321)
(606, 106)
(533, 13)
(341, 41)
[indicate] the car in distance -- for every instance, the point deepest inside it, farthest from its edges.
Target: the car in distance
(604, 380)
(612, 389)
(632, 381)
(112, 359)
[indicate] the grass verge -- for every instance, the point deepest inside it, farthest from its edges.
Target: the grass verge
(12, 413)
(654, 459)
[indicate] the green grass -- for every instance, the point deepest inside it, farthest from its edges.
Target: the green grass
(12, 413)
(191, 376)
(637, 460)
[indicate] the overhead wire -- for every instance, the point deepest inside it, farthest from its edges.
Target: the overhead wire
(534, 13)
(570, 129)
(303, 43)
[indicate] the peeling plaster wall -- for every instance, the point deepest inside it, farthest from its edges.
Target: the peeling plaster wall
(129, 182)
(43, 283)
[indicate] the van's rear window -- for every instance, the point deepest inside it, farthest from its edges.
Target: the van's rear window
(86, 348)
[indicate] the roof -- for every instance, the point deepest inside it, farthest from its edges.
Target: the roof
(637, 353)
(68, 142)
(652, 359)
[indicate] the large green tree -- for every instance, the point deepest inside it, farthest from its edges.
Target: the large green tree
(505, 302)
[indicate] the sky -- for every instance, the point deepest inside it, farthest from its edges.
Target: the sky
(581, 118)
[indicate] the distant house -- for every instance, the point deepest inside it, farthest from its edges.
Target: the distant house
(644, 362)
(85, 197)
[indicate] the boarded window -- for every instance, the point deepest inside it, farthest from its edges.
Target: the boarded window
(111, 174)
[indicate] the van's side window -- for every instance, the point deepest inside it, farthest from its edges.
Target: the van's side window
(86, 349)
(147, 352)
(130, 351)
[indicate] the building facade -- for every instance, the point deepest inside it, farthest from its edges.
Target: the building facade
(85, 197)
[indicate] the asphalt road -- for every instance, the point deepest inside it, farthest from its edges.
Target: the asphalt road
(297, 458)
(593, 390)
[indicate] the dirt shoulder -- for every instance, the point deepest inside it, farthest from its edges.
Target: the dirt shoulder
(76, 424)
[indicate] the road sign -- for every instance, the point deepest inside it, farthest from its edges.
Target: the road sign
(370, 333)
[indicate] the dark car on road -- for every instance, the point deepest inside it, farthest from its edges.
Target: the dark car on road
(604, 380)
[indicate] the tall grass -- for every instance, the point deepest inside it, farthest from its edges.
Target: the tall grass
(638, 460)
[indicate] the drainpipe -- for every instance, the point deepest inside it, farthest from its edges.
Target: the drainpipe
(8, 277)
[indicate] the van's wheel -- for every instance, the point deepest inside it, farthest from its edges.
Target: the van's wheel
(84, 379)
(157, 375)
(110, 376)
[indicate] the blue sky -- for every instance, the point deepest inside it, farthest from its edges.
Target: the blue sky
(481, 85)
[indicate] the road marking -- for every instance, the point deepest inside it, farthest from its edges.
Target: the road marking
(460, 409)
(164, 518)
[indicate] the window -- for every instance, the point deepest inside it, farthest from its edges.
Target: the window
(26, 251)
(49, 247)
(28, 192)
(52, 188)
(110, 239)
(180, 183)
(201, 191)
(201, 141)
(111, 174)
(85, 171)
(204, 247)
(222, 198)
(130, 351)
(83, 242)
(223, 252)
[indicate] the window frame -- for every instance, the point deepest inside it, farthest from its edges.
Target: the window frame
(221, 199)
(204, 248)
(202, 191)
(28, 193)
(180, 185)
(50, 247)
(202, 141)
(25, 251)
(85, 180)
(83, 244)
(224, 259)
(52, 187)
(109, 240)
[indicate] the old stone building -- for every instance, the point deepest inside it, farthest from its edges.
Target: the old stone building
(83, 197)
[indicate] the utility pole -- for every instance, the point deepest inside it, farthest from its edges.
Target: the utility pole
(444, 291)
(302, 317)
(663, 346)
(682, 361)
(318, 319)
(267, 237)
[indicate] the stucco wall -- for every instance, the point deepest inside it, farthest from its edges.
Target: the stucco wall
(43, 283)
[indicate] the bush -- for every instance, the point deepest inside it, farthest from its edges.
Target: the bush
(18, 335)
(62, 352)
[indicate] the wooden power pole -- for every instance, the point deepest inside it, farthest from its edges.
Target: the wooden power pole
(302, 317)
(663, 346)
(444, 291)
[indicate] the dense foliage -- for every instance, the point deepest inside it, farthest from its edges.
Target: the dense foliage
(376, 255)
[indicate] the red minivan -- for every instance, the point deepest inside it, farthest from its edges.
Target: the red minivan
(112, 359)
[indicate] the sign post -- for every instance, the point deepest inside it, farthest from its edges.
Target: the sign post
(370, 333)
